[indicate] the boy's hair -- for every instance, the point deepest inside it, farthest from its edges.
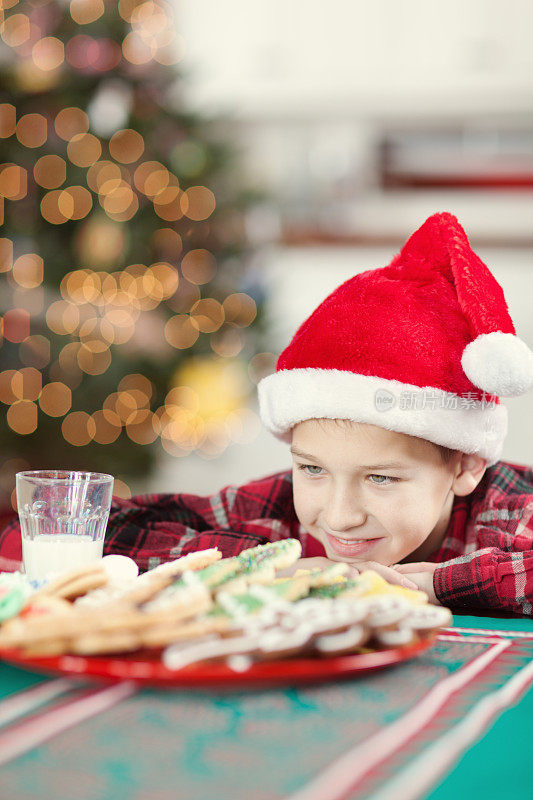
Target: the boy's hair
(446, 453)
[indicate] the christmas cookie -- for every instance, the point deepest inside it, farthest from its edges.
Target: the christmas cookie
(202, 606)
(14, 592)
(76, 582)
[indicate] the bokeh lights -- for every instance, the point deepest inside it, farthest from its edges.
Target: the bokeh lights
(105, 312)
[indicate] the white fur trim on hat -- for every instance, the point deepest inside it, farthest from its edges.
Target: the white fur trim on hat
(460, 423)
(499, 363)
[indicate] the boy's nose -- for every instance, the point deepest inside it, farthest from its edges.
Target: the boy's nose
(343, 511)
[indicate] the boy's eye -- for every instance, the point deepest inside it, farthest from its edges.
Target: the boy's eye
(384, 480)
(381, 480)
(305, 467)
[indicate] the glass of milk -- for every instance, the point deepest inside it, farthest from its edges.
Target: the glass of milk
(63, 516)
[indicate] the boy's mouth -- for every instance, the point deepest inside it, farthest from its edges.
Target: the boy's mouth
(350, 547)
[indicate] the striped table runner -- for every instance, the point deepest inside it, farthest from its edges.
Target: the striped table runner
(386, 735)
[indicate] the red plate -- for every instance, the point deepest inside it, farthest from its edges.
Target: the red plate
(146, 668)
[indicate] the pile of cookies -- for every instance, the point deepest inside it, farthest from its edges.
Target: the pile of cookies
(204, 607)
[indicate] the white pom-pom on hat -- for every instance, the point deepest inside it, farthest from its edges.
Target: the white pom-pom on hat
(499, 363)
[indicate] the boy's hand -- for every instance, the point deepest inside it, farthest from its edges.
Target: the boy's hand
(317, 562)
(320, 562)
(421, 573)
(390, 574)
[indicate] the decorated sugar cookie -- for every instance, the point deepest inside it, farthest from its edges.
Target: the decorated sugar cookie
(203, 607)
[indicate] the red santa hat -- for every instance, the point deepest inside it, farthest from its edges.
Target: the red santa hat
(424, 346)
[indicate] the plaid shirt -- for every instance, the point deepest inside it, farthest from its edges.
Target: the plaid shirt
(486, 557)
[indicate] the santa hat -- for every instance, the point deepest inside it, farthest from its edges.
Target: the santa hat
(424, 346)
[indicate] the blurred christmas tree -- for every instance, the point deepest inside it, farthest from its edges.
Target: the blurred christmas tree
(123, 289)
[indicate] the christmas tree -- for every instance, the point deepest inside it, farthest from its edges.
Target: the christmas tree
(125, 309)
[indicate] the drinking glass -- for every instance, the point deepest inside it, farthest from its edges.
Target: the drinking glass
(63, 516)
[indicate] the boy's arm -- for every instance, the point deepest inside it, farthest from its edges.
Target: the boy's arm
(160, 527)
(488, 579)
(156, 528)
(497, 576)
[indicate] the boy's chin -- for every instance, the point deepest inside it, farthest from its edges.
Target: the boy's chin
(359, 564)
(341, 559)
(352, 560)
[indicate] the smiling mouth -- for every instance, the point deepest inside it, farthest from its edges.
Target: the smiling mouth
(350, 547)
(352, 540)
(349, 541)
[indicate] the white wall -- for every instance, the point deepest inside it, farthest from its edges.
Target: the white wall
(311, 87)
(262, 57)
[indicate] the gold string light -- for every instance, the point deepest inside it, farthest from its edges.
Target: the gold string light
(239, 309)
(34, 351)
(28, 271)
(16, 30)
(86, 11)
(8, 120)
(228, 344)
(198, 203)
(13, 182)
(50, 171)
(198, 266)
(126, 146)
(50, 210)
(84, 149)
(70, 122)
(7, 396)
(207, 315)
(48, 53)
(32, 130)
(75, 202)
(55, 399)
(78, 428)
(26, 383)
(167, 242)
(181, 332)
(16, 325)
(22, 417)
(6, 254)
(108, 426)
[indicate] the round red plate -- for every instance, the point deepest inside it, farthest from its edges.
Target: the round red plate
(146, 668)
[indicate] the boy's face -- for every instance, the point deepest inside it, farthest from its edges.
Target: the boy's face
(359, 508)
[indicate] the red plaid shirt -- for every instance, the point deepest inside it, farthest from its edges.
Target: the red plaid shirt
(486, 557)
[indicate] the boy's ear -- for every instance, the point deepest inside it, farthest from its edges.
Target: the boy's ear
(469, 470)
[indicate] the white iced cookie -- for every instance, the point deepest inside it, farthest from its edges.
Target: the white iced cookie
(120, 568)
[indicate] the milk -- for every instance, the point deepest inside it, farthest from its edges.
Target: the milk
(48, 553)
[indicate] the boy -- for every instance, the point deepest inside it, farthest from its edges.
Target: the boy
(389, 397)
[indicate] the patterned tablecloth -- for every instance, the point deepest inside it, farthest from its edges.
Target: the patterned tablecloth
(451, 722)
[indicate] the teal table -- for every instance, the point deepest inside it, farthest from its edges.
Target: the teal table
(498, 764)
(452, 723)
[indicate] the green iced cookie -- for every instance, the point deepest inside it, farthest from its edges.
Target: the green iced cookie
(13, 595)
(213, 575)
(280, 554)
(332, 590)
